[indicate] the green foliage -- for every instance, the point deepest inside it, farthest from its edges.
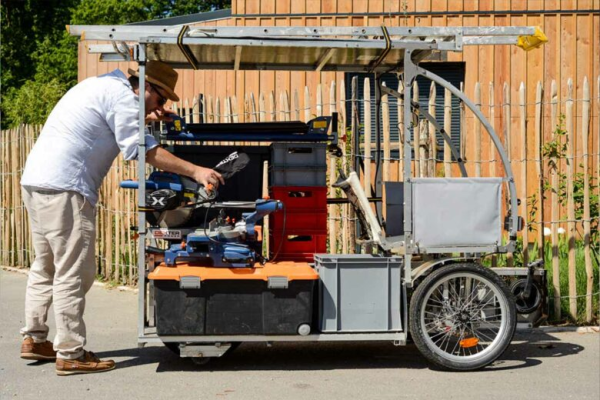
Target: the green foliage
(32, 103)
(37, 52)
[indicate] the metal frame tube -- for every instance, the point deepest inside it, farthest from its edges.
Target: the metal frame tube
(505, 161)
(142, 191)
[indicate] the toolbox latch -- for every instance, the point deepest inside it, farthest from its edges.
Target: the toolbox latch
(189, 282)
(277, 282)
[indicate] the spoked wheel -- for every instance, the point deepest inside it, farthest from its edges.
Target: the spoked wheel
(462, 317)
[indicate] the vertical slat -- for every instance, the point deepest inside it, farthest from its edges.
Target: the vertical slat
(400, 130)
(227, 110)
(507, 143)
(448, 129)
(417, 134)
(343, 122)
(262, 113)
(571, 202)
(296, 105)
(319, 100)
(385, 111)
(555, 205)
(195, 110)
(282, 106)
(253, 116)
(333, 214)
(354, 144)
(524, 213)
(432, 132)
(367, 138)
(272, 106)
(306, 104)
(477, 158)
(539, 167)
(589, 269)
(218, 115)
(234, 110)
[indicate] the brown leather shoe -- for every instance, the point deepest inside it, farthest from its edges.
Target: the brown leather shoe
(86, 364)
(37, 351)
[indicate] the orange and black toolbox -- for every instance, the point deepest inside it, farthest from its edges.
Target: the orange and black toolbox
(271, 299)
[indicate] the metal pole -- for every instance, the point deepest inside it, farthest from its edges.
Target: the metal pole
(408, 77)
(142, 193)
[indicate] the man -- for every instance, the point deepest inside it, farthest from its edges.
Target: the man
(77, 146)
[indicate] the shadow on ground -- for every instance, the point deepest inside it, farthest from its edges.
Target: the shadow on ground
(526, 351)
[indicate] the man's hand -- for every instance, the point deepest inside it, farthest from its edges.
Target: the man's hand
(208, 177)
(164, 114)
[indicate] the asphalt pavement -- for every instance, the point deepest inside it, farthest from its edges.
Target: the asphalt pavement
(537, 365)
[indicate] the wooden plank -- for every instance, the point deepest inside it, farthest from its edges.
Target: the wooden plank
(570, 200)
(306, 104)
(385, 113)
(539, 94)
(333, 209)
(555, 206)
(524, 209)
(367, 137)
(448, 129)
(400, 103)
(355, 124)
(272, 106)
(477, 158)
(506, 116)
(492, 114)
(585, 125)
(432, 132)
(262, 113)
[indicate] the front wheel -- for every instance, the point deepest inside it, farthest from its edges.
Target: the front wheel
(462, 317)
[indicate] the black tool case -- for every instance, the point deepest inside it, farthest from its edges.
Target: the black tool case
(275, 299)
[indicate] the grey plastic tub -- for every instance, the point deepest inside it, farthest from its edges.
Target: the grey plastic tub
(285, 155)
(359, 293)
(298, 176)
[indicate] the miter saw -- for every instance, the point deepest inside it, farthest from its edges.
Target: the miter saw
(225, 241)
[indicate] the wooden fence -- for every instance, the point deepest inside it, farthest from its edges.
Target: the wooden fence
(553, 145)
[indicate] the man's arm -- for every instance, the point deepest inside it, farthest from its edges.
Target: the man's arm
(162, 159)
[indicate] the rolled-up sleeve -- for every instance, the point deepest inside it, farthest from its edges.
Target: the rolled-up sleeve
(123, 121)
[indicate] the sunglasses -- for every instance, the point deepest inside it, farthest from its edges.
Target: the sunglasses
(162, 99)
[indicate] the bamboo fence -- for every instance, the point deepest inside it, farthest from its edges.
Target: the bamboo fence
(529, 129)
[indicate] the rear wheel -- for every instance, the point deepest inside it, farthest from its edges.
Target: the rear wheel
(462, 317)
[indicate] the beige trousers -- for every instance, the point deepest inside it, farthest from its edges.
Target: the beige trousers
(63, 227)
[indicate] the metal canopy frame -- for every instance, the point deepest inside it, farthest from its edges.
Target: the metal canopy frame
(350, 49)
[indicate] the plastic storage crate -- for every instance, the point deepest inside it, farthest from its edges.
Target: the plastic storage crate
(300, 246)
(298, 176)
(359, 293)
(301, 198)
(295, 221)
(285, 155)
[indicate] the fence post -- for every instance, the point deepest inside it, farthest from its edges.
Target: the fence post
(507, 140)
(539, 165)
(306, 104)
(448, 129)
(523, 125)
(554, 205)
(432, 132)
(400, 130)
(571, 202)
(273, 106)
(589, 270)
(367, 139)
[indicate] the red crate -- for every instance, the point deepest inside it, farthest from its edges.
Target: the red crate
(301, 197)
(313, 221)
(297, 245)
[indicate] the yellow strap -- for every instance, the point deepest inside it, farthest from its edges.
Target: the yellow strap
(533, 41)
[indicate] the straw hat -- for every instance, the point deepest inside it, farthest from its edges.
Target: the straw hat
(160, 74)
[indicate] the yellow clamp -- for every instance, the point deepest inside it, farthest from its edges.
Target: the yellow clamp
(533, 41)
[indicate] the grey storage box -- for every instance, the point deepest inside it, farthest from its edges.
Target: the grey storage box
(457, 212)
(298, 176)
(285, 155)
(359, 293)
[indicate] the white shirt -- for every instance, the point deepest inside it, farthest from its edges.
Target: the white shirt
(83, 135)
